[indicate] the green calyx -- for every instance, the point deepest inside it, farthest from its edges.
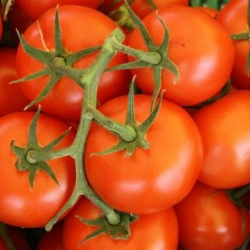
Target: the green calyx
(58, 63)
(118, 231)
(138, 135)
(33, 157)
(156, 57)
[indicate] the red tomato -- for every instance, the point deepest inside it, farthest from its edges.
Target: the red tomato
(142, 7)
(197, 49)
(20, 204)
(225, 131)
(34, 9)
(64, 101)
(17, 238)
(209, 220)
(235, 19)
(52, 240)
(150, 180)
(210, 11)
(153, 231)
(12, 98)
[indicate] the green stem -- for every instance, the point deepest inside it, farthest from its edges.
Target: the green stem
(239, 193)
(90, 80)
(241, 36)
(127, 133)
(147, 56)
(59, 65)
(5, 236)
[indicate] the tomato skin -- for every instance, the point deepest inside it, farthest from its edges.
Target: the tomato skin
(52, 239)
(234, 18)
(142, 8)
(198, 50)
(12, 98)
(209, 220)
(65, 99)
(16, 193)
(225, 131)
(150, 180)
(210, 11)
(34, 9)
(152, 231)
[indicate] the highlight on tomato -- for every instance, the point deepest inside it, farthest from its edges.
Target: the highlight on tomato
(225, 131)
(152, 231)
(192, 54)
(65, 98)
(151, 179)
(32, 189)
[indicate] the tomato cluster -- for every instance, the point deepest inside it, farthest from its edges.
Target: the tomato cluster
(124, 125)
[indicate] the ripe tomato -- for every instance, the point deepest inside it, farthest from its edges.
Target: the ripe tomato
(209, 220)
(150, 180)
(225, 131)
(152, 231)
(142, 7)
(12, 98)
(234, 18)
(64, 101)
(210, 11)
(52, 239)
(20, 204)
(197, 49)
(34, 9)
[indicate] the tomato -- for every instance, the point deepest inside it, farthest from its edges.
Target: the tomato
(197, 49)
(152, 231)
(225, 131)
(17, 238)
(65, 99)
(209, 220)
(12, 98)
(210, 11)
(234, 18)
(142, 7)
(150, 180)
(21, 204)
(52, 239)
(34, 9)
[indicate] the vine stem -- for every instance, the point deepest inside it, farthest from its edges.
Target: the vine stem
(90, 80)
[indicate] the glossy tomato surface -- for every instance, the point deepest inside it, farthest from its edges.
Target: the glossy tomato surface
(142, 7)
(20, 204)
(225, 131)
(198, 50)
(153, 231)
(234, 18)
(34, 9)
(151, 179)
(65, 99)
